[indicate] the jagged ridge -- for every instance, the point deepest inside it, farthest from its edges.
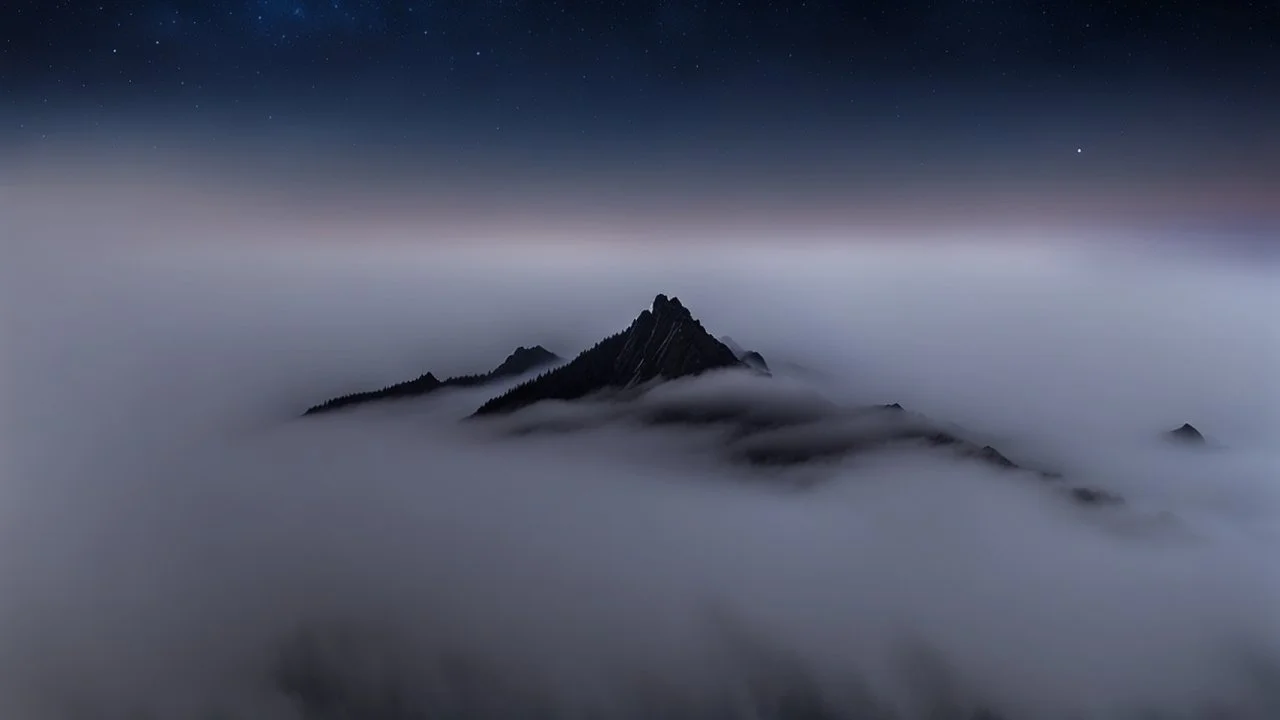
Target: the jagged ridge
(519, 362)
(665, 342)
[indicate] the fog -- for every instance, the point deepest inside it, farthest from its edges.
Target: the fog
(172, 530)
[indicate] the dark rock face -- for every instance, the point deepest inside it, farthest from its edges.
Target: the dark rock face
(519, 362)
(668, 342)
(1186, 434)
(663, 342)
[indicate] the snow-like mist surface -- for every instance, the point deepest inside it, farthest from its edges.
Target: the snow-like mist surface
(171, 530)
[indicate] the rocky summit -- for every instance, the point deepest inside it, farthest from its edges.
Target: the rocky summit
(667, 342)
(663, 342)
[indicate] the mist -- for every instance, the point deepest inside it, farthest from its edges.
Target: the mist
(178, 543)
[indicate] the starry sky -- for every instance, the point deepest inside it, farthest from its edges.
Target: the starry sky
(878, 99)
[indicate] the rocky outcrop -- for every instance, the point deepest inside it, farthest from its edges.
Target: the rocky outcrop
(663, 342)
(523, 360)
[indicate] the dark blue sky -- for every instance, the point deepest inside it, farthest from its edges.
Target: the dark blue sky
(810, 91)
(153, 49)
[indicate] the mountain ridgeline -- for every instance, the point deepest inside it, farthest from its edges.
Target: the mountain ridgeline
(664, 342)
(523, 360)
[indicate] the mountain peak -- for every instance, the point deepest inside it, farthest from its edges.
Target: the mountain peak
(523, 359)
(1186, 434)
(664, 341)
(663, 304)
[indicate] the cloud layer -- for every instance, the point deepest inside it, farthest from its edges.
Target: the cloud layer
(175, 541)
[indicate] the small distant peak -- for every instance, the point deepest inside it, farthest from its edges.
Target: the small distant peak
(1186, 434)
(522, 360)
(995, 457)
(892, 406)
(535, 351)
(755, 361)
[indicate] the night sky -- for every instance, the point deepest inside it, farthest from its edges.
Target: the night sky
(1172, 104)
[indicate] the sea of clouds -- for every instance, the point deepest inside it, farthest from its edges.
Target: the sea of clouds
(176, 543)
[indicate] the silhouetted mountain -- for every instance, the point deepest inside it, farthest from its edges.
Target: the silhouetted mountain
(412, 388)
(663, 342)
(521, 361)
(755, 361)
(1186, 434)
(762, 428)
(524, 360)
